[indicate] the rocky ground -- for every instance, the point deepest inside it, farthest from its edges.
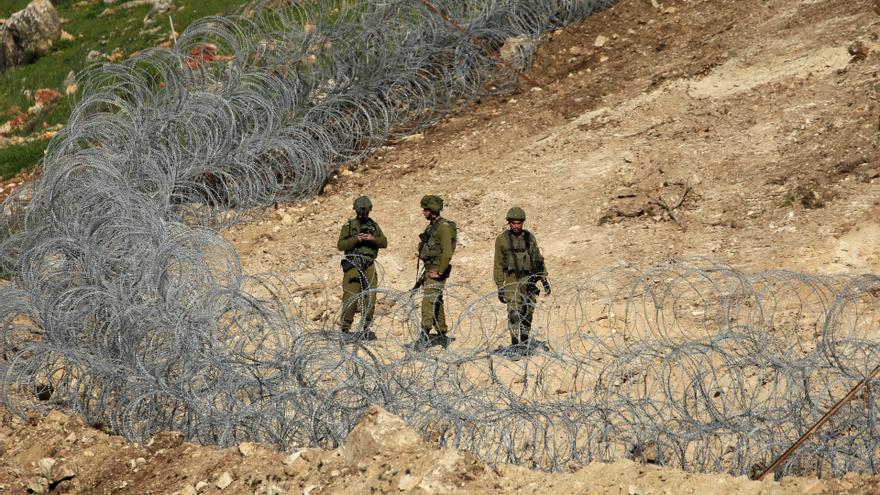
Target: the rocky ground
(57, 454)
(744, 131)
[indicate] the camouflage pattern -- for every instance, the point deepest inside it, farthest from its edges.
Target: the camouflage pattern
(516, 213)
(518, 288)
(433, 203)
(362, 203)
(436, 253)
(359, 272)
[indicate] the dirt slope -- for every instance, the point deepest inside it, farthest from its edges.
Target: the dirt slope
(745, 131)
(57, 454)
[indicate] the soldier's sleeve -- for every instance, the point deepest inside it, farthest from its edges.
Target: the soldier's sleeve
(346, 240)
(444, 234)
(540, 267)
(379, 237)
(498, 265)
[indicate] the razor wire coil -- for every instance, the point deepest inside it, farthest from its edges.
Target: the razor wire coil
(126, 305)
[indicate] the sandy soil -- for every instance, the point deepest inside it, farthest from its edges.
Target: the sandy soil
(744, 131)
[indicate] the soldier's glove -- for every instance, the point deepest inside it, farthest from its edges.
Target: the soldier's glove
(501, 295)
(546, 284)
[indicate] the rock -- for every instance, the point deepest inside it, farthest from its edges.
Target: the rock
(186, 490)
(269, 488)
(292, 458)
(408, 482)
(600, 41)
(379, 432)
(224, 480)
(38, 485)
(93, 56)
(515, 50)
(287, 219)
(201, 485)
(29, 33)
(70, 78)
(159, 7)
(858, 50)
(576, 50)
(45, 466)
(164, 440)
(247, 448)
(63, 473)
(65, 36)
(628, 157)
(109, 2)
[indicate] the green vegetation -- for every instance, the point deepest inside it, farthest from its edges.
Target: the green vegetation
(118, 31)
(15, 158)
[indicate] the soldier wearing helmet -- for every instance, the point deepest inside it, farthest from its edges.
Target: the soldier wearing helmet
(360, 239)
(518, 267)
(436, 246)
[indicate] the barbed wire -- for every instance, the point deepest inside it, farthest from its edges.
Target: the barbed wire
(126, 306)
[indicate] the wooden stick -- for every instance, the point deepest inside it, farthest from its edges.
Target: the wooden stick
(846, 398)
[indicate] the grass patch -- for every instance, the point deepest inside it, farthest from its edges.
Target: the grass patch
(120, 31)
(15, 158)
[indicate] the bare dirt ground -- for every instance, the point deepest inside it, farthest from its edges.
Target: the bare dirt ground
(744, 131)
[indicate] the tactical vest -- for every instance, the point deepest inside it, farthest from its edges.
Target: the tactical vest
(367, 250)
(429, 241)
(518, 255)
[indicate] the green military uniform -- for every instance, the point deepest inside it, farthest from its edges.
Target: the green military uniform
(518, 266)
(359, 271)
(435, 250)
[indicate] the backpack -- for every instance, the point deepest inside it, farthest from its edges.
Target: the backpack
(454, 234)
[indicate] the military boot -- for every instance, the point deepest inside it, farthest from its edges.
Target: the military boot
(444, 340)
(422, 342)
(367, 333)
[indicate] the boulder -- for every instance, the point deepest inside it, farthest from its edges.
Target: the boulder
(29, 33)
(379, 432)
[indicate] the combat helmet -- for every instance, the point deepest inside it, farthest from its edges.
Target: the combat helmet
(516, 214)
(362, 205)
(432, 203)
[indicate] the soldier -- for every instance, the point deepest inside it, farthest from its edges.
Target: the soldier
(519, 266)
(436, 245)
(360, 239)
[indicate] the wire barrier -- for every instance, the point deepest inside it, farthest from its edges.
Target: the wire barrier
(125, 305)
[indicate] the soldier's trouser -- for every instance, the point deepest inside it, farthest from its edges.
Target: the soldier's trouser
(520, 307)
(433, 314)
(353, 299)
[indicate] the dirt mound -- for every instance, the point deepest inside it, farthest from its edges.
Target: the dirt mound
(59, 454)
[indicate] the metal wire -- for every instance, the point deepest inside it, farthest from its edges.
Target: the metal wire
(126, 306)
